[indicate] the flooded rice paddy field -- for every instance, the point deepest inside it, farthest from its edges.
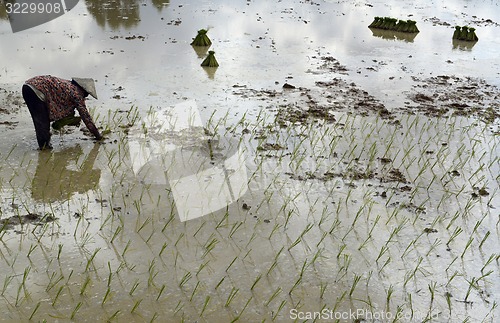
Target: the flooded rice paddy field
(360, 169)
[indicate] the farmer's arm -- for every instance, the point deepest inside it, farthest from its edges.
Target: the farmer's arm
(87, 119)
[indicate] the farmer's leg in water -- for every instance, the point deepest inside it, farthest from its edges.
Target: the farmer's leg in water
(40, 116)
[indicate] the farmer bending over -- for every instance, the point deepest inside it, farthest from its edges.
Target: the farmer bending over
(51, 98)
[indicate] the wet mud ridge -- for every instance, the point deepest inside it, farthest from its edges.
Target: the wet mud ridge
(301, 105)
(437, 96)
(30, 218)
(443, 95)
(10, 101)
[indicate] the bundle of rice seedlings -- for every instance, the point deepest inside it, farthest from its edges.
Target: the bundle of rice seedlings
(465, 33)
(385, 23)
(388, 23)
(471, 36)
(392, 24)
(201, 39)
(210, 60)
(402, 25)
(67, 121)
(377, 21)
(412, 26)
(456, 33)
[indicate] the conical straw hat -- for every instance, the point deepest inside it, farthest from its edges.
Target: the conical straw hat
(87, 84)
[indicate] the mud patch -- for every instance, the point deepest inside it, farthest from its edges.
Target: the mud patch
(443, 95)
(30, 218)
(10, 101)
(329, 64)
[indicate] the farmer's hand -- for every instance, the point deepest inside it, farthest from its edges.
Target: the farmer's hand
(103, 135)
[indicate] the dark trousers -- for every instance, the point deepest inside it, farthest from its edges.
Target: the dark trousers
(40, 115)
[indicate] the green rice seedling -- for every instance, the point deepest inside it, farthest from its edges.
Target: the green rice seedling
(485, 275)
(179, 239)
(170, 219)
(202, 266)
(224, 219)
(412, 274)
(207, 300)
(257, 279)
(242, 310)
(146, 222)
(455, 234)
(382, 251)
(59, 251)
(280, 307)
(390, 291)
(455, 274)
(85, 285)
(57, 295)
(32, 248)
(110, 274)
(106, 297)
(341, 250)
(75, 310)
(134, 287)
(370, 233)
(316, 256)
(235, 228)
(448, 295)
(467, 245)
(275, 229)
(163, 247)
(210, 246)
(34, 310)
(152, 273)
(116, 233)
(90, 261)
(434, 245)
(355, 282)
(53, 282)
(322, 289)
(187, 276)
(323, 236)
(396, 230)
(455, 216)
(273, 296)
(231, 296)
(179, 307)
(387, 262)
(303, 269)
(287, 217)
(198, 230)
(162, 289)
(112, 317)
(339, 300)
(136, 305)
(489, 261)
(472, 285)
(295, 243)
(451, 263)
(232, 262)
(432, 289)
(220, 282)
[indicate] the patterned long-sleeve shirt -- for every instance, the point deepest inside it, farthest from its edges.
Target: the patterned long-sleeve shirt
(62, 98)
